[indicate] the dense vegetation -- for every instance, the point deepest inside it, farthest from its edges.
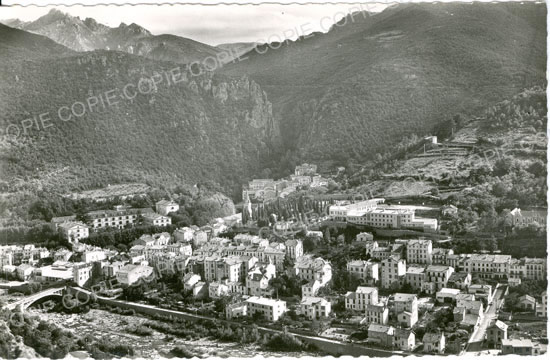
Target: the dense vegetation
(203, 128)
(50, 341)
(527, 109)
(359, 88)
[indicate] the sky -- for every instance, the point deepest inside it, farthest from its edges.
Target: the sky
(210, 24)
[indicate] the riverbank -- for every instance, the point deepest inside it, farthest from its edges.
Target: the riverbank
(115, 327)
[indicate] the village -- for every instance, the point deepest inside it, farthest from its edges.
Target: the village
(404, 295)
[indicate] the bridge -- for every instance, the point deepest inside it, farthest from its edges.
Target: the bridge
(31, 299)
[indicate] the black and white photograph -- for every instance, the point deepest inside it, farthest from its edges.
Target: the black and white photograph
(273, 179)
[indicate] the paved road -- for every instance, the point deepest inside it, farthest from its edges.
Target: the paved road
(476, 341)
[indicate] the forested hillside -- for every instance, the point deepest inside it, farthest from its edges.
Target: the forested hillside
(372, 79)
(204, 128)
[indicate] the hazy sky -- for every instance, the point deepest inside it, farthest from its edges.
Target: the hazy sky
(211, 24)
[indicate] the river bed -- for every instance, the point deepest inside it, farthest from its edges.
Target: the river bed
(101, 323)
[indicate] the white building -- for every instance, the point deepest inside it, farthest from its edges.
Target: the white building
(437, 277)
(528, 217)
(81, 273)
(217, 289)
(364, 237)
(365, 270)
(271, 309)
(315, 307)
(419, 251)
(93, 256)
(74, 230)
(377, 314)
(488, 266)
(393, 272)
(415, 276)
(361, 297)
(130, 274)
(294, 248)
(119, 217)
(165, 207)
(24, 272)
(156, 219)
(309, 268)
(406, 309)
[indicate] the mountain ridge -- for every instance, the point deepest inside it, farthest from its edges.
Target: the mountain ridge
(89, 34)
(366, 83)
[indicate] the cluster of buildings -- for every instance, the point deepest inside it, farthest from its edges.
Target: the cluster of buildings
(375, 214)
(119, 217)
(26, 263)
(266, 189)
(425, 268)
(444, 275)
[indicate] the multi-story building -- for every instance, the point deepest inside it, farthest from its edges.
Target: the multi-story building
(496, 332)
(218, 289)
(437, 277)
(364, 237)
(309, 268)
(257, 280)
(365, 270)
(381, 334)
(419, 251)
(404, 339)
(528, 268)
(120, 217)
(542, 310)
(130, 274)
(184, 234)
(415, 276)
(294, 248)
(93, 256)
(24, 272)
(368, 213)
(459, 280)
(406, 309)
(377, 314)
(392, 271)
(73, 230)
(315, 307)
(440, 255)
(271, 309)
(361, 297)
(488, 265)
(165, 207)
(58, 271)
(528, 217)
(434, 343)
(82, 272)
(305, 169)
(156, 219)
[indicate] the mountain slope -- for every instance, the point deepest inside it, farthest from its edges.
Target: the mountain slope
(203, 128)
(356, 90)
(88, 34)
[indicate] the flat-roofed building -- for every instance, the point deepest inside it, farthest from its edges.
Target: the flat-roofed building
(271, 309)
